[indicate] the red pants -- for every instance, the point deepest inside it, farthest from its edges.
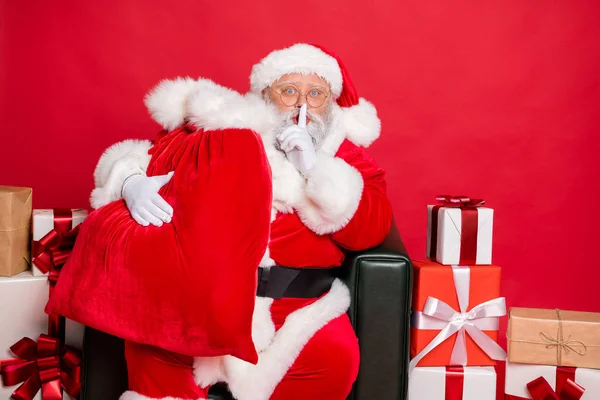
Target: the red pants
(325, 369)
(158, 373)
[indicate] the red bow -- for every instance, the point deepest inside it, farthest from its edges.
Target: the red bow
(41, 366)
(459, 201)
(540, 389)
(53, 250)
(469, 226)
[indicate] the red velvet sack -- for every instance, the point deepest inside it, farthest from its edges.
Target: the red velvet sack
(188, 286)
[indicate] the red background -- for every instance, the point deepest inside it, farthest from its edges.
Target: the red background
(492, 99)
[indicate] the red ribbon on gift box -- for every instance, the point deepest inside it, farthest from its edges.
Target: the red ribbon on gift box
(53, 250)
(469, 224)
(455, 382)
(50, 253)
(566, 388)
(42, 365)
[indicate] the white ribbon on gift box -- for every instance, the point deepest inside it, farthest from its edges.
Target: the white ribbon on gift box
(439, 315)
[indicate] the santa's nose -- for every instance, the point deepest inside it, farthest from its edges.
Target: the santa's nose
(301, 101)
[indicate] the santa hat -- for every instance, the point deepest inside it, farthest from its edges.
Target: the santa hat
(360, 119)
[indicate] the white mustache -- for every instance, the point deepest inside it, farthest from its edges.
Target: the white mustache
(290, 116)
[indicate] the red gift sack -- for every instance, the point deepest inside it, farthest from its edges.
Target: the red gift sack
(187, 286)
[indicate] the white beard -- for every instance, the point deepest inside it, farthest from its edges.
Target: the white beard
(318, 127)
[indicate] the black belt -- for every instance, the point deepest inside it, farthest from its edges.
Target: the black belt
(301, 283)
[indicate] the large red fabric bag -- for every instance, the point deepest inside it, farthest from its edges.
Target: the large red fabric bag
(188, 286)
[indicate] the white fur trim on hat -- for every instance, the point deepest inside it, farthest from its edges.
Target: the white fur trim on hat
(299, 58)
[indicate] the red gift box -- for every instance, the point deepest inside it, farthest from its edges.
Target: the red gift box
(455, 315)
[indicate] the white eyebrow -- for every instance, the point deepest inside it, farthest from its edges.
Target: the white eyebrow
(299, 83)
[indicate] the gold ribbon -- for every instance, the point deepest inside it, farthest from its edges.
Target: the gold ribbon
(559, 342)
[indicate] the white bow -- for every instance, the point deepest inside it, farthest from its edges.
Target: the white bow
(439, 315)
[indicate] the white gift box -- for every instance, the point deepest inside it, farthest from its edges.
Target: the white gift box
(23, 298)
(519, 375)
(429, 383)
(43, 222)
(447, 242)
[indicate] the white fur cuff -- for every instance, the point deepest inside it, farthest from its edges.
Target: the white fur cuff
(118, 162)
(333, 192)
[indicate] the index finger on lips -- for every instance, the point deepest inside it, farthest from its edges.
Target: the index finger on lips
(302, 116)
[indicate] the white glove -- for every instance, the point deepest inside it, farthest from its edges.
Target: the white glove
(297, 144)
(146, 206)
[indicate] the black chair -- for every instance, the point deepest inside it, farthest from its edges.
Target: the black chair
(380, 281)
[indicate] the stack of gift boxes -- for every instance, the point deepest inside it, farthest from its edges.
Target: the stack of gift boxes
(456, 306)
(455, 319)
(40, 354)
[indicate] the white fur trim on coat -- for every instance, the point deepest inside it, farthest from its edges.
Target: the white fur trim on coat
(333, 192)
(210, 370)
(118, 162)
(167, 101)
(299, 58)
(131, 395)
(263, 328)
(208, 105)
(288, 183)
(257, 382)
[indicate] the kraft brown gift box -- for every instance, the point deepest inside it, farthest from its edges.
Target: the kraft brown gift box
(554, 337)
(15, 222)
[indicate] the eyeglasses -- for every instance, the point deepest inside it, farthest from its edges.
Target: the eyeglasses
(290, 95)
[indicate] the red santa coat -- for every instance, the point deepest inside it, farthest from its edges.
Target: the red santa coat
(341, 205)
(294, 244)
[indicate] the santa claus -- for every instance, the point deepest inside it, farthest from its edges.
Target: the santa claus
(328, 197)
